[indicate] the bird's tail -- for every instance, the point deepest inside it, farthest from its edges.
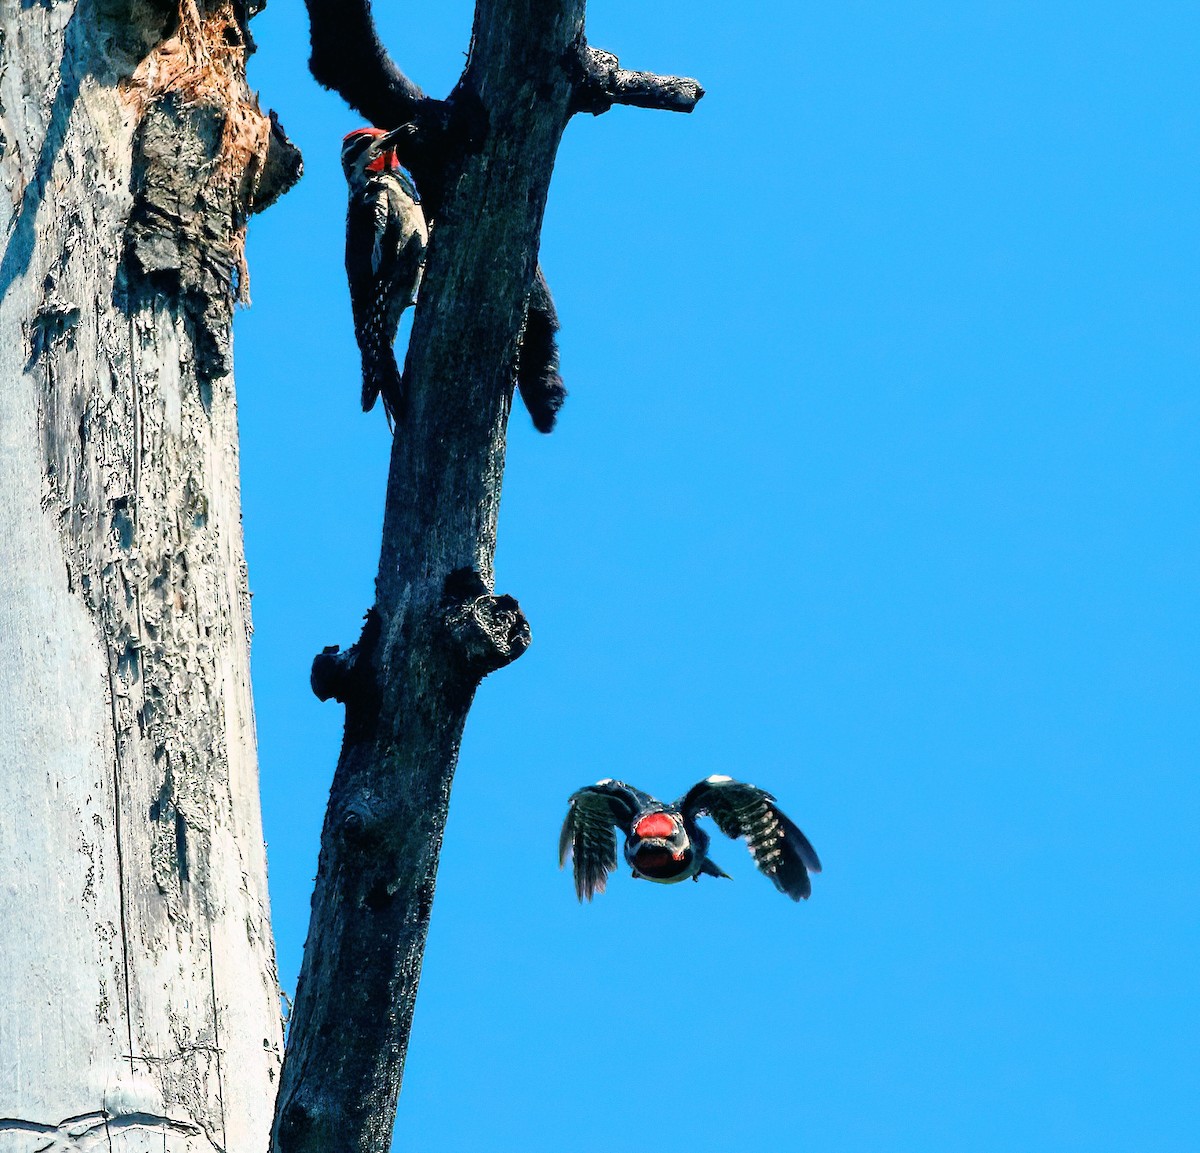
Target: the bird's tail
(381, 377)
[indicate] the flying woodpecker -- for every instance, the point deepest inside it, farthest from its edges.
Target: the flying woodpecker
(664, 843)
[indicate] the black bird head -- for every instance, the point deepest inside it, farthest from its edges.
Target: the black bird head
(368, 152)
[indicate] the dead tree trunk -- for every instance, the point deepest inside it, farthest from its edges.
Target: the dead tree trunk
(139, 1006)
(482, 161)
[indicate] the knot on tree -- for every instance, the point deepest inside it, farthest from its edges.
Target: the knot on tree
(304, 1123)
(347, 676)
(361, 822)
(488, 631)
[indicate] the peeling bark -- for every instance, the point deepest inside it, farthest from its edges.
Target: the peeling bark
(141, 1005)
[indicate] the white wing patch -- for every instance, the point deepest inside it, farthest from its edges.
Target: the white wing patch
(379, 210)
(717, 779)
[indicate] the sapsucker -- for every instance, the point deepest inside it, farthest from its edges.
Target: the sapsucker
(664, 843)
(386, 236)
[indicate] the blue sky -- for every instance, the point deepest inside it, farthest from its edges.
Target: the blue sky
(876, 487)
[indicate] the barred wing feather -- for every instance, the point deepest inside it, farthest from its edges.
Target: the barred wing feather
(780, 850)
(589, 833)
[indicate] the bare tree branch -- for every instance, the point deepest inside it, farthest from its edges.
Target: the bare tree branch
(437, 628)
(602, 82)
(348, 56)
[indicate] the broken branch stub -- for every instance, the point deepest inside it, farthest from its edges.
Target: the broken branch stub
(601, 82)
(488, 631)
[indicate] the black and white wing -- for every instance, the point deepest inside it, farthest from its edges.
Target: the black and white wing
(780, 850)
(366, 237)
(589, 832)
(385, 247)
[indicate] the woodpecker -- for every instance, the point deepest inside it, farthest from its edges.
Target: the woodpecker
(386, 237)
(664, 843)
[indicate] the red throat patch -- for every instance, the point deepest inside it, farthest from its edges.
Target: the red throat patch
(655, 825)
(384, 162)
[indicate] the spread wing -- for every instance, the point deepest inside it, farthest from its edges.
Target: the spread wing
(589, 832)
(780, 850)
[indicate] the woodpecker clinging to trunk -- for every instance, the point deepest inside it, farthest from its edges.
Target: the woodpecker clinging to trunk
(664, 843)
(386, 236)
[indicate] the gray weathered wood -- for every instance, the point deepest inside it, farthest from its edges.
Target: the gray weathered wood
(138, 1000)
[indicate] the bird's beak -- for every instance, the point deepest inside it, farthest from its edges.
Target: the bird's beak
(390, 139)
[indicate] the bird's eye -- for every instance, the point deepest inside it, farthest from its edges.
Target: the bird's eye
(354, 147)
